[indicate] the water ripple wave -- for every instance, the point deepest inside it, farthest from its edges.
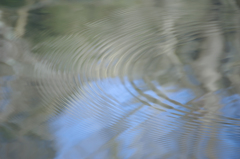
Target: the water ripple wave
(142, 83)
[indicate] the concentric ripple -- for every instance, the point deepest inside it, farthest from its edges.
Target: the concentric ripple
(143, 83)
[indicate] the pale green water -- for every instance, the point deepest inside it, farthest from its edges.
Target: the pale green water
(119, 79)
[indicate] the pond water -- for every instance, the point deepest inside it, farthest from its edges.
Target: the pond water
(119, 79)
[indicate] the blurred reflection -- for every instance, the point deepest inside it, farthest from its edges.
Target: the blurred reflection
(119, 79)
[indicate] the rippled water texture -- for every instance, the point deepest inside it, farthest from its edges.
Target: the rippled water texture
(155, 79)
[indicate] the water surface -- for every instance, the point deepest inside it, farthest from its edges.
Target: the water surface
(119, 79)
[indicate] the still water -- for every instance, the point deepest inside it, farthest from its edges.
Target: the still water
(118, 79)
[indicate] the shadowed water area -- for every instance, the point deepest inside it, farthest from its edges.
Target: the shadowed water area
(118, 79)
